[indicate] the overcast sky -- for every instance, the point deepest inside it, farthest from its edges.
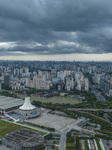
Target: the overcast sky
(56, 29)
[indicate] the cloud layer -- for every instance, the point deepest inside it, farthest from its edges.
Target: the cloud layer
(50, 27)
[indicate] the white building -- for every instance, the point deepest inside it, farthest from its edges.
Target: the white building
(86, 84)
(70, 84)
(0, 86)
(43, 85)
(96, 78)
(27, 105)
(78, 85)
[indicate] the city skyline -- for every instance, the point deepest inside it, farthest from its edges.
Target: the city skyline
(56, 30)
(67, 104)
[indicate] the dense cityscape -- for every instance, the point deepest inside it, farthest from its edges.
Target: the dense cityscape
(71, 104)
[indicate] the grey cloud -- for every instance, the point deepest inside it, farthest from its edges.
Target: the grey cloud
(87, 23)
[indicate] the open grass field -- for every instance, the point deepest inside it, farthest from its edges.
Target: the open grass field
(7, 127)
(57, 99)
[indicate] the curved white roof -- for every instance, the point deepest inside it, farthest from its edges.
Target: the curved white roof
(27, 105)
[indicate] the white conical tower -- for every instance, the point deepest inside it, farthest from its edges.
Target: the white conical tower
(27, 105)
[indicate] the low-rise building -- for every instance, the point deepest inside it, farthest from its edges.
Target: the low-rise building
(23, 139)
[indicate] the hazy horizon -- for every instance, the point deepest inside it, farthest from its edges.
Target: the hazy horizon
(64, 57)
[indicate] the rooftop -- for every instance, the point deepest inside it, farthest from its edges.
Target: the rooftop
(25, 138)
(9, 102)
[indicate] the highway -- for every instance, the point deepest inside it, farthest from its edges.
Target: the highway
(98, 94)
(89, 109)
(106, 117)
(92, 115)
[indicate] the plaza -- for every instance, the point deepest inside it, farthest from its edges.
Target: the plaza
(52, 121)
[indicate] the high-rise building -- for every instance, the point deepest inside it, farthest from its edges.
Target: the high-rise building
(86, 84)
(6, 80)
(0, 86)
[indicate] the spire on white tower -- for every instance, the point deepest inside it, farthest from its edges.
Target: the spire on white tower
(27, 105)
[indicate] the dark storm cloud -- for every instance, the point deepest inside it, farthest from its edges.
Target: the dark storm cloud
(55, 26)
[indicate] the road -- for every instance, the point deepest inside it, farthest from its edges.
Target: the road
(91, 115)
(63, 141)
(64, 131)
(89, 109)
(98, 94)
(106, 117)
